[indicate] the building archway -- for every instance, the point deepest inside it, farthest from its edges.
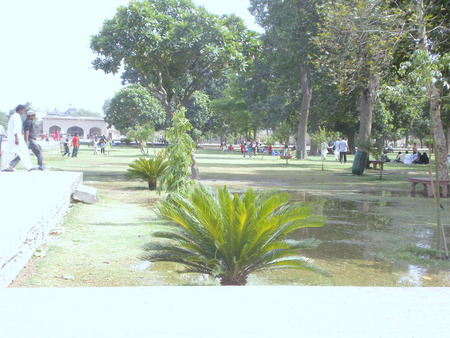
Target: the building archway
(95, 132)
(75, 130)
(53, 129)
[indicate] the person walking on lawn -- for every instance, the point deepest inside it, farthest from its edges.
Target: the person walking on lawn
(30, 140)
(16, 143)
(75, 143)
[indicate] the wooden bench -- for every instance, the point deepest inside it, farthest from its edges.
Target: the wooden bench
(426, 181)
(282, 157)
(375, 163)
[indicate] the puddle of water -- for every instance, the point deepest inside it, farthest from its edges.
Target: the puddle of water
(414, 276)
(355, 241)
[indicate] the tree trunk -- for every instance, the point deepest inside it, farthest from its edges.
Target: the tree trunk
(306, 83)
(152, 185)
(366, 108)
(314, 128)
(350, 132)
(194, 167)
(440, 144)
(230, 279)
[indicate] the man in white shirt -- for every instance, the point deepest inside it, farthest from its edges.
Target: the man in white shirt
(343, 148)
(407, 159)
(16, 143)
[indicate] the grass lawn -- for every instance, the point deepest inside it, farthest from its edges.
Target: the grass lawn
(376, 234)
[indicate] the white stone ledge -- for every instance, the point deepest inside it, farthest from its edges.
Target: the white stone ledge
(32, 203)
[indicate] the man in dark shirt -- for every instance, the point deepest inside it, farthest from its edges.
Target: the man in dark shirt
(30, 139)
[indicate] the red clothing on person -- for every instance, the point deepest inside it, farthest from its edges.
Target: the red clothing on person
(75, 141)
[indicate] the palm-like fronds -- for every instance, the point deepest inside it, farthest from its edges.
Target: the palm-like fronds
(148, 170)
(230, 236)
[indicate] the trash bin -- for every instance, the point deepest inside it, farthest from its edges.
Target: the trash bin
(359, 163)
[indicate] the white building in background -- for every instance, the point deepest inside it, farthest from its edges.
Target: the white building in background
(85, 127)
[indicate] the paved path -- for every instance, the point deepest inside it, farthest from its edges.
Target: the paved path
(224, 312)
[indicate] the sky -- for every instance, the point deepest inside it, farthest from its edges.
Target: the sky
(45, 57)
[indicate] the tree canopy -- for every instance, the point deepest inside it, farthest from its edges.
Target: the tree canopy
(133, 106)
(172, 47)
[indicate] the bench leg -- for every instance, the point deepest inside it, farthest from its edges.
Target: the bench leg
(445, 190)
(430, 190)
(413, 186)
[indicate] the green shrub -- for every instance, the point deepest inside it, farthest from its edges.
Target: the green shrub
(148, 170)
(230, 236)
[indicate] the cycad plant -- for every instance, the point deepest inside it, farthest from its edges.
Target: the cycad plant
(148, 170)
(230, 236)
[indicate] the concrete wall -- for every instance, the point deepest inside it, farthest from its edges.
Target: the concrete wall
(31, 204)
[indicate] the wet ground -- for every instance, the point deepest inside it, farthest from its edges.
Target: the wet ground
(360, 247)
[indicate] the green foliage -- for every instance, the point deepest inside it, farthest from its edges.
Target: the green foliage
(231, 236)
(320, 136)
(199, 114)
(373, 147)
(3, 119)
(232, 111)
(133, 106)
(85, 113)
(148, 170)
(142, 134)
(173, 48)
(425, 69)
(178, 153)
(283, 131)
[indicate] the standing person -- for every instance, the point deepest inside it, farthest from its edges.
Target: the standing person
(66, 148)
(343, 149)
(75, 143)
(30, 139)
(2, 133)
(414, 148)
(254, 147)
(337, 149)
(107, 146)
(323, 150)
(102, 146)
(242, 149)
(56, 135)
(95, 146)
(16, 143)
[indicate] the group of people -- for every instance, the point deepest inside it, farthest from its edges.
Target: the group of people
(407, 158)
(75, 145)
(252, 148)
(340, 149)
(104, 144)
(18, 146)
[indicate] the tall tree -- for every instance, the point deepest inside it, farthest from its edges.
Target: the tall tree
(290, 28)
(357, 39)
(172, 47)
(434, 91)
